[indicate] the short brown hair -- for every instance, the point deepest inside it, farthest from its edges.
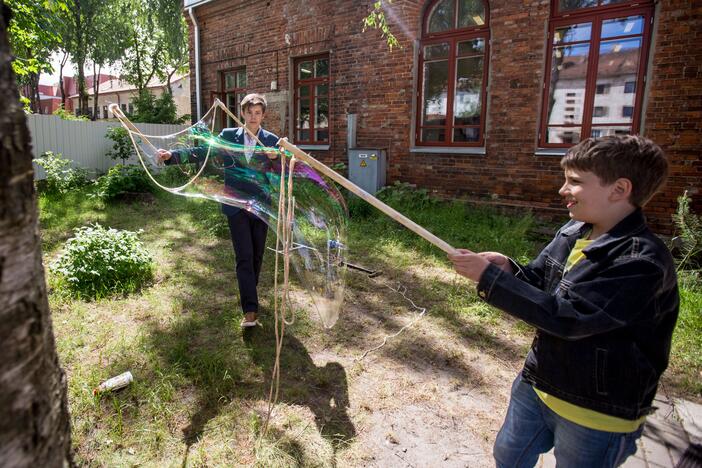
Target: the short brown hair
(253, 99)
(631, 157)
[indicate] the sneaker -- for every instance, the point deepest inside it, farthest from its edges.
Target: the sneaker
(249, 320)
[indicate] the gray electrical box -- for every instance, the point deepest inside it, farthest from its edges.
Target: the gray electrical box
(367, 168)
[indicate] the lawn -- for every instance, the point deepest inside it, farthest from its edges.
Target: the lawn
(201, 386)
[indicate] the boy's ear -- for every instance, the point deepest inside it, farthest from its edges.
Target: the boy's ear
(621, 189)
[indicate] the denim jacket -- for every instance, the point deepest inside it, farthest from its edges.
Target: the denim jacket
(604, 328)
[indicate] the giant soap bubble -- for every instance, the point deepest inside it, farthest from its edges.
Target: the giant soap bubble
(206, 165)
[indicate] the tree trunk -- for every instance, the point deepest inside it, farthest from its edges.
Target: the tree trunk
(35, 425)
(61, 85)
(96, 90)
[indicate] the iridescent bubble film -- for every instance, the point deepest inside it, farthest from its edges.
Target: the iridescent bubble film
(202, 164)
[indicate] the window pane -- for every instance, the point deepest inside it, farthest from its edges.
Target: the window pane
(603, 131)
(572, 33)
(241, 79)
(321, 113)
(322, 67)
(563, 135)
(435, 93)
(303, 113)
(471, 13)
(474, 47)
(441, 19)
(436, 51)
(433, 134)
(567, 5)
(304, 91)
(322, 90)
(321, 135)
(567, 87)
(469, 80)
(622, 26)
(229, 81)
(618, 65)
(303, 135)
(305, 70)
(466, 134)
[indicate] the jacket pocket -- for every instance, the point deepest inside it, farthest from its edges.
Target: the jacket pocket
(601, 371)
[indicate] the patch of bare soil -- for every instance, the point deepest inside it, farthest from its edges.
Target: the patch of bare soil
(436, 395)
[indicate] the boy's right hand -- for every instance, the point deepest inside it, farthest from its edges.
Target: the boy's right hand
(163, 155)
(499, 260)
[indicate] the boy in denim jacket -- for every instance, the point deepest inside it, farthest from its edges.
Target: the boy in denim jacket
(603, 297)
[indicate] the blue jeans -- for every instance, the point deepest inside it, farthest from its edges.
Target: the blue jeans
(531, 428)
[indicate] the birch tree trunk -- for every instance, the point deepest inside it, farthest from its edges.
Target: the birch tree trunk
(34, 420)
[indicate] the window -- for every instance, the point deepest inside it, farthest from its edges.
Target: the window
(311, 100)
(596, 57)
(104, 112)
(124, 108)
(453, 74)
(233, 89)
(131, 107)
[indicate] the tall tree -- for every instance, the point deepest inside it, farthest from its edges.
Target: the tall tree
(169, 17)
(144, 56)
(35, 424)
(33, 38)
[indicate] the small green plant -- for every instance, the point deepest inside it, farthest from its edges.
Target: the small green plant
(65, 115)
(60, 176)
(122, 148)
(121, 180)
(404, 194)
(98, 262)
(689, 225)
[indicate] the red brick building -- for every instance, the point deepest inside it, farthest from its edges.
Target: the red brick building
(480, 99)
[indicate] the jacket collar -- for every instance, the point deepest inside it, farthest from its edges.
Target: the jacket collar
(630, 226)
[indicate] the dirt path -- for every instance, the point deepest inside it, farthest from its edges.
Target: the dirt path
(434, 396)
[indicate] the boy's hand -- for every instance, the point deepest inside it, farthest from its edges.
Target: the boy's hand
(499, 260)
(163, 155)
(469, 264)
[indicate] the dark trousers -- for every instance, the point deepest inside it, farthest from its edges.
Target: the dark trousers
(249, 239)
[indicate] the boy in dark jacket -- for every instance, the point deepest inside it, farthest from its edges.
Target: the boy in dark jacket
(603, 297)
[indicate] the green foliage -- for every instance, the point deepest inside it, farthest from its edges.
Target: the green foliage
(122, 148)
(60, 176)
(121, 180)
(26, 104)
(150, 109)
(376, 20)
(689, 226)
(99, 262)
(65, 115)
(403, 194)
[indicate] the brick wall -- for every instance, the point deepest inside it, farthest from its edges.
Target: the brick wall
(377, 84)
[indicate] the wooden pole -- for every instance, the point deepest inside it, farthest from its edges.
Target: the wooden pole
(394, 214)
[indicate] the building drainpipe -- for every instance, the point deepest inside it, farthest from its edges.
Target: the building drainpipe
(196, 33)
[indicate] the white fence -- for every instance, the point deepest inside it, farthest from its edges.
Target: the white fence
(84, 143)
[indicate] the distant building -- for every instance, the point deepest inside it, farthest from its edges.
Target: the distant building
(50, 95)
(123, 94)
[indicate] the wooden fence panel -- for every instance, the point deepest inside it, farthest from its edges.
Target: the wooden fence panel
(84, 143)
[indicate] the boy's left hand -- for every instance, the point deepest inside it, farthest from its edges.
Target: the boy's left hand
(469, 264)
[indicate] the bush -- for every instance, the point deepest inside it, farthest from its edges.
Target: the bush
(689, 226)
(122, 148)
(151, 109)
(121, 180)
(99, 262)
(402, 194)
(65, 115)
(60, 176)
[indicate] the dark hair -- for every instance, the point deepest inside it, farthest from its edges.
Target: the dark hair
(631, 157)
(253, 99)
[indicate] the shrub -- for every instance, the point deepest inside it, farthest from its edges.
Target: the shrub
(60, 176)
(122, 148)
(99, 262)
(121, 180)
(689, 225)
(65, 115)
(402, 194)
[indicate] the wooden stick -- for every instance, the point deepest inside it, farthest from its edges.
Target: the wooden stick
(394, 214)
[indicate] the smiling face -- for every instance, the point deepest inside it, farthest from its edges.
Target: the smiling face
(590, 201)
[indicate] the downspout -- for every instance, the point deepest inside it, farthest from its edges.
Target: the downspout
(196, 33)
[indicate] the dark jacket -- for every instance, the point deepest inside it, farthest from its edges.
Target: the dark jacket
(240, 176)
(604, 328)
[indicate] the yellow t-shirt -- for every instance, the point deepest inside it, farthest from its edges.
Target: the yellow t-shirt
(577, 414)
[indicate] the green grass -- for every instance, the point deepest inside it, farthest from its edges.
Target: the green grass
(200, 387)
